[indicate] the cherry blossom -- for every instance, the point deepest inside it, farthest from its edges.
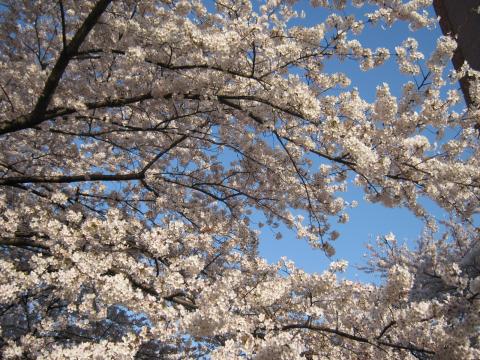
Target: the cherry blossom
(142, 141)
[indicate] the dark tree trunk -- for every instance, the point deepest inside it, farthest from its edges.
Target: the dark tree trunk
(461, 20)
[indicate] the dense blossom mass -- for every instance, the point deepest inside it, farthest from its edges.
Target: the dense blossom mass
(142, 141)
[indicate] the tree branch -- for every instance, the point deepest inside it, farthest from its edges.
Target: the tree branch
(356, 338)
(64, 29)
(14, 180)
(37, 115)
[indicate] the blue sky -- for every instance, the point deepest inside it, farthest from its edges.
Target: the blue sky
(367, 221)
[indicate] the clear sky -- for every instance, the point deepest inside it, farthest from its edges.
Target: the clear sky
(367, 220)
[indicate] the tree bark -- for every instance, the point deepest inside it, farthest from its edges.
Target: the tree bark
(461, 20)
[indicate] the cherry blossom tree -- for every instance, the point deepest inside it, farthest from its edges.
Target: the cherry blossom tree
(142, 141)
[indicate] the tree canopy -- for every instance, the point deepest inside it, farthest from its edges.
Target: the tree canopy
(141, 141)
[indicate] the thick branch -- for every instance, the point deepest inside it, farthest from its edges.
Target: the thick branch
(14, 180)
(355, 337)
(106, 103)
(38, 113)
(124, 101)
(21, 242)
(64, 27)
